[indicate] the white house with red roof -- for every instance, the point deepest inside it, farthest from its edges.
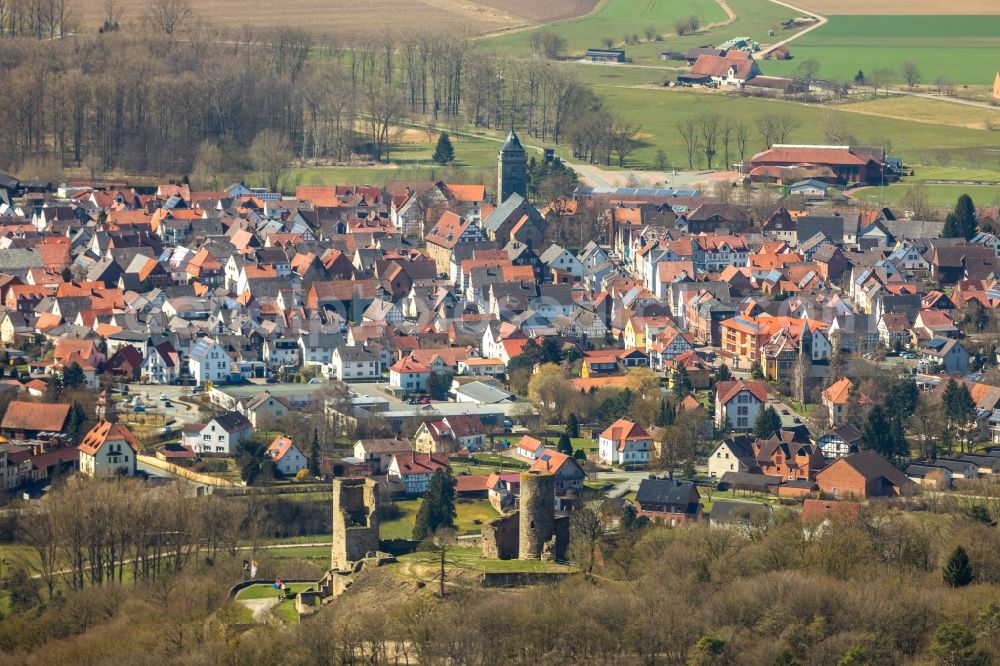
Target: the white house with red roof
(737, 403)
(414, 470)
(108, 450)
(569, 475)
(408, 375)
(625, 443)
(287, 457)
(530, 448)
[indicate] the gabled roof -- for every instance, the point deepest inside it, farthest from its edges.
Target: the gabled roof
(623, 431)
(871, 466)
(44, 417)
(233, 422)
(727, 390)
(105, 431)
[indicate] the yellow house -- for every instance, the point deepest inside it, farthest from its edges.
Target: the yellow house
(634, 335)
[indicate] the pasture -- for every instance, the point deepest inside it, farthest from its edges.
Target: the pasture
(341, 21)
(658, 110)
(961, 49)
(938, 196)
(922, 109)
(614, 20)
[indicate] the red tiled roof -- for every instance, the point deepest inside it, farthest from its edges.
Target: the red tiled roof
(104, 431)
(726, 391)
(623, 431)
(46, 417)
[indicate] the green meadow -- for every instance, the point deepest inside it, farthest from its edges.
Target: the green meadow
(963, 49)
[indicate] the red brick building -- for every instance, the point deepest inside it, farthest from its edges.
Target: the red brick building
(865, 474)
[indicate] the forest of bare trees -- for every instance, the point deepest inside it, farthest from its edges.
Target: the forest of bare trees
(174, 97)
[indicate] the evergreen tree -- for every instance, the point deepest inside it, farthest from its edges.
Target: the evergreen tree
(877, 434)
(579, 455)
(768, 423)
(682, 382)
(961, 222)
(722, 373)
(53, 388)
(573, 425)
(666, 415)
(76, 421)
(900, 398)
(444, 152)
(67, 275)
(755, 371)
(859, 78)
(438, 508)
(565, 446)
(73, 376)
(551, 351)
(957, 570)
(314, 454)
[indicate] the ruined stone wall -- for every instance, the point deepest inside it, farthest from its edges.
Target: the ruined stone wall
(538, 513)
(500, 538)
(355, 521)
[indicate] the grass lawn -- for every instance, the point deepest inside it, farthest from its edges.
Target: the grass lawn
(959, 48)
(303, 553)
(940, 196)
(268, 591)
(410, 159)
(469, 558)
(732, 495)
(465, 521)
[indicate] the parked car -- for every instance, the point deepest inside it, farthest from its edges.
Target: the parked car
(316, 380)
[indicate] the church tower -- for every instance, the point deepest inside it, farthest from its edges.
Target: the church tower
(512, 169)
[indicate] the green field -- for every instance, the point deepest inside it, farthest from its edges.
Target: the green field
(962, 49)
(657, 112)
(465, 522)
(410, 159)
(939, 196)
(614, 20)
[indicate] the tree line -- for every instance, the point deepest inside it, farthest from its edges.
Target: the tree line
(170, 98)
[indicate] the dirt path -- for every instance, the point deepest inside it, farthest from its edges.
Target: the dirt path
(261, 608)
(803, 12)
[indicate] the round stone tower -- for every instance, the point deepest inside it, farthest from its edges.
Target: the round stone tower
(537, 513)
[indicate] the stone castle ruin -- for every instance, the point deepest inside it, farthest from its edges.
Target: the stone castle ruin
(355, 522)
(533, 531)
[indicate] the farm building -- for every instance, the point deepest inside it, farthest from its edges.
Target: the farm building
(693, 55)
(778, 53)
(733, 69)
(605, 55)
(849, 164)
(810, 189)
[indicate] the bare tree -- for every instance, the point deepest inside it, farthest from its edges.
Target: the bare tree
(835, 129)
(688, 129)
(592, 525)
(113, 14)
(170, 16)
(384, 107)
(742, 134)
(621, 135)
(270, 153)
(709, 127)
(775, 128)
(910, 73)
(881, 78)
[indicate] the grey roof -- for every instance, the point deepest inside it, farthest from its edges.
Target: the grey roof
(512, 144)
(725, 510)
(20, 258)
(233, 422)
(506, 209)
(484, 393)
(664, 491)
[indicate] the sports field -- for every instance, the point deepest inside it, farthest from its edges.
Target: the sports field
(962, 49)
